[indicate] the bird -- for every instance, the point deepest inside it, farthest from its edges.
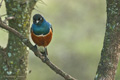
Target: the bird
(41, 33)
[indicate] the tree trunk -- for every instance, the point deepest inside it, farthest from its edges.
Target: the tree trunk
(13, 63)
(110, 53)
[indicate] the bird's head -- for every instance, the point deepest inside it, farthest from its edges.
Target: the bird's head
(38, 19)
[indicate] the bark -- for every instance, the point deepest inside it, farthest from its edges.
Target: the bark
(13, 64)
(111, 48)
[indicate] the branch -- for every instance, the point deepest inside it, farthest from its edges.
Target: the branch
(36, 52)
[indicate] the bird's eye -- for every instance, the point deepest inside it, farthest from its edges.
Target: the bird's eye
(38, 18)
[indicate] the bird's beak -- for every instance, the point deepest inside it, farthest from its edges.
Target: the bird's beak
(37, 21)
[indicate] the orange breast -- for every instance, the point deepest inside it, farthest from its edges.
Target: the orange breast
(42, 40)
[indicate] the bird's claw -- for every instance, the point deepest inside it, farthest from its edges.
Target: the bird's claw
(45, 58)
(35, 46)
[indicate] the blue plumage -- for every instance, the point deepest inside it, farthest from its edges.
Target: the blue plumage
(42, 29)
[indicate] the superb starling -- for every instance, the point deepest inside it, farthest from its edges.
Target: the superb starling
(41, 33)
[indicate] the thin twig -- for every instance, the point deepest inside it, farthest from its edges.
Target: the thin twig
(42, 2)
(37, 53)
(8, 18)
(37, 10)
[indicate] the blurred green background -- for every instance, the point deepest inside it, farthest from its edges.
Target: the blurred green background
(79, 27)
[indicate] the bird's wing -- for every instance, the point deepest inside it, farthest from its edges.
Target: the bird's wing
(51, 28)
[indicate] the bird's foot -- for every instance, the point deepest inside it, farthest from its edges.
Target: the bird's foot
(34, 47)
(44, 54)
(45, 58)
